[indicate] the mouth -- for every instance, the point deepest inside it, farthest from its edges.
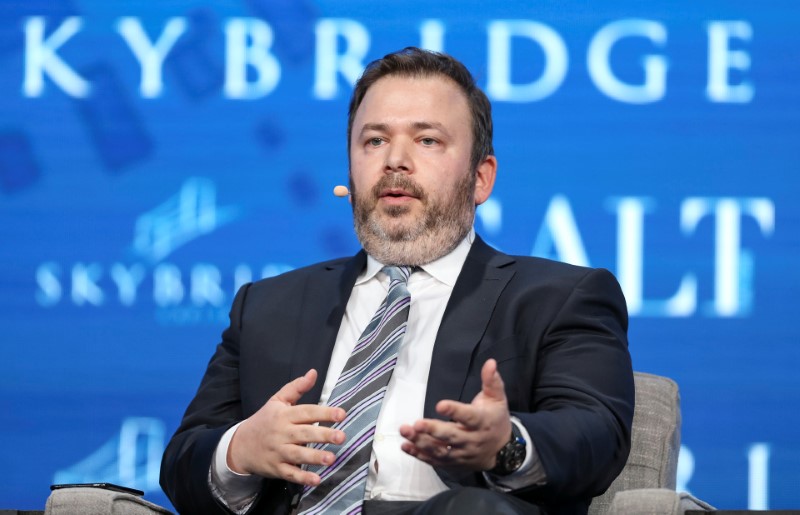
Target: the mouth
(397, 192)
(396, 195)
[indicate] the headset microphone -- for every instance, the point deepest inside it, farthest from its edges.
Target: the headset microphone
(341, 191)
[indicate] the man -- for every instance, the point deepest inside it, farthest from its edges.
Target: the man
(512, 390)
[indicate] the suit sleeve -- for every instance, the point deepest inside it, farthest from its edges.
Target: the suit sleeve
(583, 395)
(215, 408)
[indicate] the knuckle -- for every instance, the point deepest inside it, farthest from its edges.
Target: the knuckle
(332, 436)
(295, 454)
(284, 472)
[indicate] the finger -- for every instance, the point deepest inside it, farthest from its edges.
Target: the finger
(468, 456)
(407, 431)
(420, 438)
(297, 475)
(313, 413)
(466, 414)
(439, 451)
(442, 432)
(302, 455)
(292, 391)
(442, 455)
(308, 434)
(412, 450)
(491, 382)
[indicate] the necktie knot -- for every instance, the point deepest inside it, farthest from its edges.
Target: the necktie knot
(398, 273)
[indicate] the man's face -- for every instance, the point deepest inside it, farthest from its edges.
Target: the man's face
(414, 194)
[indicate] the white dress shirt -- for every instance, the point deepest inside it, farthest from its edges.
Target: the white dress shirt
(393, 474)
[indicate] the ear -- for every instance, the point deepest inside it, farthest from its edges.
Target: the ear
(484, 180)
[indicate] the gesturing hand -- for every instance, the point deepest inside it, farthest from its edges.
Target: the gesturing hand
(476, 432)
(272, 442)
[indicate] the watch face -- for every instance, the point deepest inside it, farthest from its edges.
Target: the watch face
(516, 457)
(510, 457)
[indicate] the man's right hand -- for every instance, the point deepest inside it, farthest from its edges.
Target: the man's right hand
(272, 442)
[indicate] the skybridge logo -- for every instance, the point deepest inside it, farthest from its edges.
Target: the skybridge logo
(187, 294)
(188, 215)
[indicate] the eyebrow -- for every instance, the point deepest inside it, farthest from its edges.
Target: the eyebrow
(429, 125)
(421, 125)
(377, 127)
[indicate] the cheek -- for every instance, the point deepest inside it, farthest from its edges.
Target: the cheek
(362, 185)
(359, 173)
(443, 183)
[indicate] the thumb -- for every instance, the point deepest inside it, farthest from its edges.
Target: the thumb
(491, 382)
(291, 392)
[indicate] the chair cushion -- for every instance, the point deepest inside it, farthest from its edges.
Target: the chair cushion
(98, 501)
(656, 501)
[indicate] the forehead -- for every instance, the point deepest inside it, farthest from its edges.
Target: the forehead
(397, 99)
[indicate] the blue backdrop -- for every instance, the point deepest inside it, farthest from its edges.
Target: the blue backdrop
(153, 158)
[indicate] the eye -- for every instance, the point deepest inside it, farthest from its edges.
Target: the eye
(428, 141)
(375, 142)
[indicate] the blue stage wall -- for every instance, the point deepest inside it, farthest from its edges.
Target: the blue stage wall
(154, 156)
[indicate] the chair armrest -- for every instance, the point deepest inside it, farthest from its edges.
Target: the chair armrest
(97, 501)
(656, 501)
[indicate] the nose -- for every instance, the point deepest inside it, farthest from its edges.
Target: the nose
(398, 157)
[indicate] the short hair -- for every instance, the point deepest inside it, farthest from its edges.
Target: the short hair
(415, 62)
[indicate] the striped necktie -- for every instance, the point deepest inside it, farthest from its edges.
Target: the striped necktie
(360, 390)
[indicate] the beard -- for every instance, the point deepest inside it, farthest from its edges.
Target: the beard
(393, 237)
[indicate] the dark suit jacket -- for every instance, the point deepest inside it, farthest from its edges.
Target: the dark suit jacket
(558, 333)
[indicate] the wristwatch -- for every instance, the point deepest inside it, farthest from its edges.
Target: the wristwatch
(511, 456)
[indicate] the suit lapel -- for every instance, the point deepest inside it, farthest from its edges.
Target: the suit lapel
(324, 301)
(482, 279)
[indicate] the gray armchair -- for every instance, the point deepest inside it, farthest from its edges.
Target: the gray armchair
(646, 484)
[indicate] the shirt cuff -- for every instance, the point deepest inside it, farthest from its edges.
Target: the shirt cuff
(236, 491)
(530, 473)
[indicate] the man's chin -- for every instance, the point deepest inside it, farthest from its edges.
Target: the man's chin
(396, 232)
(397, 228)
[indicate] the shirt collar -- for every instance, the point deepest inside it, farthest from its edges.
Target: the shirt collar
(445, 269)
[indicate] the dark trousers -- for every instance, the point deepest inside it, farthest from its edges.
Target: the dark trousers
(459, 501)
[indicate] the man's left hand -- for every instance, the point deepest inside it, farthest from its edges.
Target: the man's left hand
(475, 433)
